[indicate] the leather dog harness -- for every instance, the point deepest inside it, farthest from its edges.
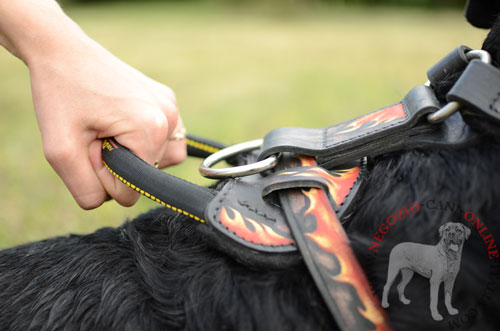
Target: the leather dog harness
(289, 194)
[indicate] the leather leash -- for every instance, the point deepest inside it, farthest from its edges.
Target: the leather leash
(281, 214)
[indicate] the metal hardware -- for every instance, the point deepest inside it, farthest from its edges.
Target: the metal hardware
(245, 170)
(479, 54)
(453, 106)
(445, 112)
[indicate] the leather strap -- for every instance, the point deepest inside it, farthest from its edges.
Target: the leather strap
(478, 89)
(390, 129)
(325, 249)
(377, 129)
(201, 147)
(453, 62)
(452, 133)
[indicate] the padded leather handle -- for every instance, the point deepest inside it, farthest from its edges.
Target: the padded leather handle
(170, 191)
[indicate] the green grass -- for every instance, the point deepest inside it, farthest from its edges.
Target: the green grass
(238, 73)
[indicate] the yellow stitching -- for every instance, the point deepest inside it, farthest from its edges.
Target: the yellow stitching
(153, 197)
(202, 146)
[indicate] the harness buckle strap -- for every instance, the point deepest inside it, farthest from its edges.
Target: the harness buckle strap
(453, 62)
(372, 134)
(478, 90)
(454, 106)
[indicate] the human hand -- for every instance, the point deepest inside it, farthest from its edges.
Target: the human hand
(80, 99)
(81, 94)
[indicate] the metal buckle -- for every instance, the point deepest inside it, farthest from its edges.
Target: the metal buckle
(244, 170)
(454, 106)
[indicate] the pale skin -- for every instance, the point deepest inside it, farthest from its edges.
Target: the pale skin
(83, 93)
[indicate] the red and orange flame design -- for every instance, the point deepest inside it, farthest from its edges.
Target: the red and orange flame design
(339, 183)
(260, 234)
(330, 237)
(375, 119)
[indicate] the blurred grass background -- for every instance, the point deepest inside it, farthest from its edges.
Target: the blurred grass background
(238, 72)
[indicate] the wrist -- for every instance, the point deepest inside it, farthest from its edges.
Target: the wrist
(34, 30)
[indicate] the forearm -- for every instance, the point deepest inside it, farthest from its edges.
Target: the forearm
(36, 29)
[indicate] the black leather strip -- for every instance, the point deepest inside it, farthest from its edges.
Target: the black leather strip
(175, 193)
(478, 89)
(453, 62)
(452, 133)
(376, 132)
(202, 147)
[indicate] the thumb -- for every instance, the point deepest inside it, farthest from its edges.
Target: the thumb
(123, 194)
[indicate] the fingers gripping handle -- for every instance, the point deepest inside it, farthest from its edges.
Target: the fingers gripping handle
(170, 191)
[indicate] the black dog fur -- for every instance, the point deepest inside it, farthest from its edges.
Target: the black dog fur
(157, 273)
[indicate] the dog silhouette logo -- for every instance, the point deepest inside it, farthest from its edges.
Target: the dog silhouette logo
(440, 263)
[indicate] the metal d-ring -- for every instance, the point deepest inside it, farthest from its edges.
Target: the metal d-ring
(453, 106)
(245, 170)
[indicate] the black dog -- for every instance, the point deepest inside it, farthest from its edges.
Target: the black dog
(157, 272)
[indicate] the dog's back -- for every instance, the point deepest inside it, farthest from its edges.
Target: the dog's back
(154, 273)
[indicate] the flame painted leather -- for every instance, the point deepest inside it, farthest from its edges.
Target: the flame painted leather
(245, 211)
(326, 251)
